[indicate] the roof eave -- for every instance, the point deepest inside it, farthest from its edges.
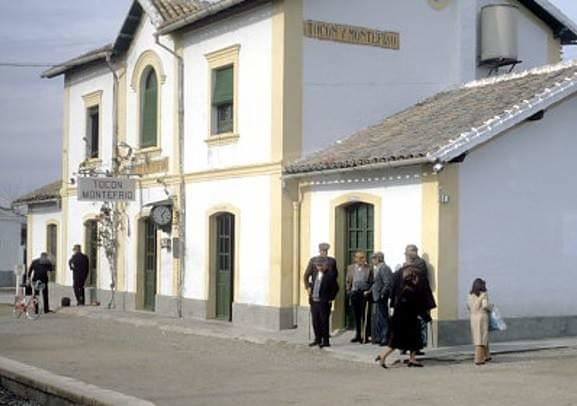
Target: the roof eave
(492, 128)
(564, 28)
(369, 167)
(75, 63)
(200, 15)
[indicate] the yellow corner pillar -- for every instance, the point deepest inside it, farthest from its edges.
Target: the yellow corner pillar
(286, 86)
(440, 244)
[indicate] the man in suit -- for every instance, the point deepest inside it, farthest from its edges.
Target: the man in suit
(359, 280)
(323, 253)
(381, 290)
(79, 265)
(323, 287)
(38, 272)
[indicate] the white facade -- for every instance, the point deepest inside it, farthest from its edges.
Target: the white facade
(518, 217)
(11, 250)
(349, 87)
(344, 88)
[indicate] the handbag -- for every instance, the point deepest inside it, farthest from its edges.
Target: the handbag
(496, 322)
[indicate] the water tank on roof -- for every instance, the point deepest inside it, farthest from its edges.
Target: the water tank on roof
(499, 34)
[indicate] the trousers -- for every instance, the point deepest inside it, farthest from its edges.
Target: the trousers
(362, 314)
(321, 314)
(78, 285)
(380, 322)
(44, 298)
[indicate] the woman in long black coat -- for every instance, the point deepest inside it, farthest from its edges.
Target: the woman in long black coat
(405, 324)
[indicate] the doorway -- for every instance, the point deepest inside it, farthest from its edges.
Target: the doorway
(223, 264)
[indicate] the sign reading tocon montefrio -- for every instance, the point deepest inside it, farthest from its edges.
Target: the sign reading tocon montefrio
(352, 35)
(106, 189)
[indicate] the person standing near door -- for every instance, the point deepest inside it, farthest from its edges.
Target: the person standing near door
(323, 253)
(381, 291)
(323, 288)
(359, 280)
(38, 272)
(79, 265)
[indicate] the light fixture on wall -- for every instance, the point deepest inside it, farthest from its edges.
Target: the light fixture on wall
(438, 167)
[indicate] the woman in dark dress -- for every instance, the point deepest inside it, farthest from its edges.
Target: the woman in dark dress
(405, 325)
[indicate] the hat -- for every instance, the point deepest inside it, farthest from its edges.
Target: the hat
(323, 246)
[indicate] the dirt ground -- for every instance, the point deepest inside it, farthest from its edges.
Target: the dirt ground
(176, 369)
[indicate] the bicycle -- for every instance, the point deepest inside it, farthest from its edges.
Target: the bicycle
(28, 304)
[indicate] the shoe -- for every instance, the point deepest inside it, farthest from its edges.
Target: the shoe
(323, 345)
(356, 340)
(314, 344)
(414, 364)
(489, 359)
(479, 363)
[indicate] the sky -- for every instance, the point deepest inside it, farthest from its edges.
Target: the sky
(31, 108)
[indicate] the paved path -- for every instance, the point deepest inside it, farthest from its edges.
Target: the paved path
(167, 364)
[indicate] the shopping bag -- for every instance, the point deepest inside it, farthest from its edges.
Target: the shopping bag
(496, 322)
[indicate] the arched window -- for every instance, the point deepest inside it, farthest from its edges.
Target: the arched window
(149, 109)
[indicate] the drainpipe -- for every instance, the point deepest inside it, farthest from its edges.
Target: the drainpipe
(297, 254)
(114, 169)
(182, 186)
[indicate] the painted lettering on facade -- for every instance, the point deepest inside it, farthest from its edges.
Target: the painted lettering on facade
(352, 35)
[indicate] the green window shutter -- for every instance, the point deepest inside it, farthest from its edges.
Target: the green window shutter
(223, 86)
(149, 110)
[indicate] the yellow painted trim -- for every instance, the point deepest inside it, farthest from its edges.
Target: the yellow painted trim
(218, 59)
(337, 237)
(440, 233)
(234, 172)
(92, 99)
(286, 142)
(305, 241)
(222, 139)
(287, 80)
(64, 236)
(209, 256)
(147, 59)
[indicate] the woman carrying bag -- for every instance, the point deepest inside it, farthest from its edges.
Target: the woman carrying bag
(480, 309)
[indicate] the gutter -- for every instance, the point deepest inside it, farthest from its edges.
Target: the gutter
(370, 167)
(181, 184)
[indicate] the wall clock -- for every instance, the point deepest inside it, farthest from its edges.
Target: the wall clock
(162, 216)
(439, 4)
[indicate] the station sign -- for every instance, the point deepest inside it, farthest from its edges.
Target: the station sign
(92, 189)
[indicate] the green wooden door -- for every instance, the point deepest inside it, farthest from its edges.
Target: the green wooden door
(149, 264)
(224, 265)
(360, 235)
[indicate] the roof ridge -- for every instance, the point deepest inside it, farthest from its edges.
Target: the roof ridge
(540, 70)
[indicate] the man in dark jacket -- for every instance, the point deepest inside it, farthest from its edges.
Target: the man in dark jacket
(38, 272)
(323, 288)
(381, 290)
(323, 253)
(79, 266)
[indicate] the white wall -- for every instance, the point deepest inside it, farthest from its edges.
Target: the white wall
(98, 79)
(401, 213)
(518, 217)
(253, 32)
(252, 198)
(144, 41)
(39, 221)
(10, 236)
(349, 87)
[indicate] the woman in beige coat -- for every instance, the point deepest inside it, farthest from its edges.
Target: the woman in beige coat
(480, 309)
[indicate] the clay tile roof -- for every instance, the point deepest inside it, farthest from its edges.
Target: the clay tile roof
(446, 119)
(171, 10)
(42, 194)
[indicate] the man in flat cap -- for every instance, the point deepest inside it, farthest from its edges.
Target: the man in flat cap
(381, 290)
(323, 253)
(323, 288)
